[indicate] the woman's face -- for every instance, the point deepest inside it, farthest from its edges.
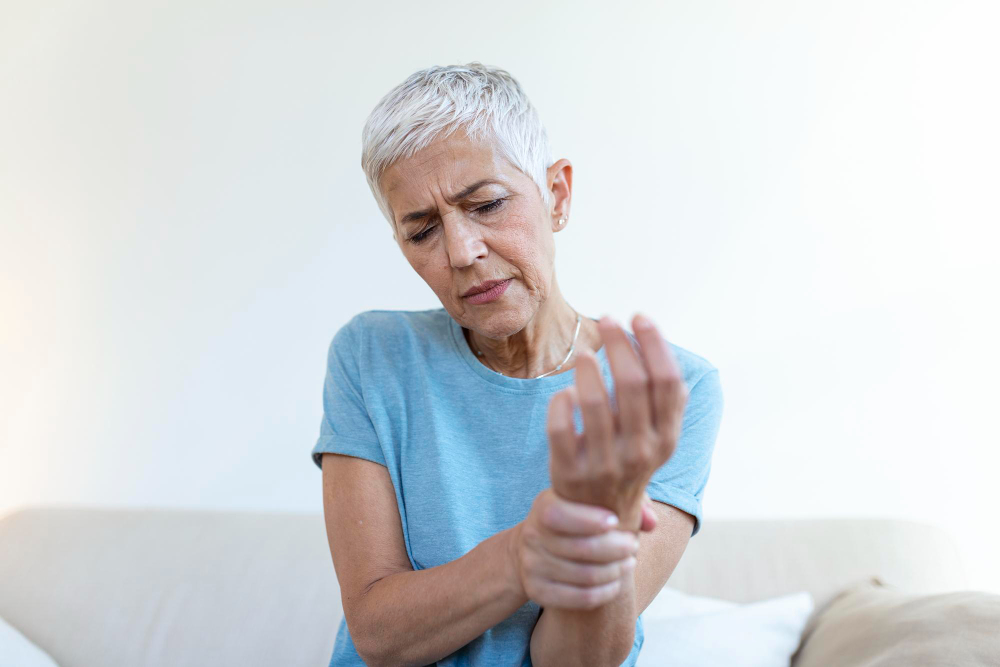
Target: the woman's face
(456, 237)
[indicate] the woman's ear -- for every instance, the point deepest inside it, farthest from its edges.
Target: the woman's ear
(559, 177)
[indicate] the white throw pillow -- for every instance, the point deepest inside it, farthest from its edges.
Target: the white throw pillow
(684, 630)
(17, 651)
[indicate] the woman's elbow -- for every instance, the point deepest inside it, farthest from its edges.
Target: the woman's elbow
(624, 647)
(373, 644)
(376, 659)
(379, 654)
(368, 641)
(616, 650)
(371, 648)
(615, 653)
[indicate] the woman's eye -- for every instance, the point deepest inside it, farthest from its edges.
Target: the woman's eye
(492, 206)
(417, 238)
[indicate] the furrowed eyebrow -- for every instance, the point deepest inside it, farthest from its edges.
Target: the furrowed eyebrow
(419, 215)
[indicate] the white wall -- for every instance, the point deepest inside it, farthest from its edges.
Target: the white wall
(802, 192)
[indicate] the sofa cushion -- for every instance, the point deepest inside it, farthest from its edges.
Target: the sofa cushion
(16, 649)
(877, 625)
(684, 630)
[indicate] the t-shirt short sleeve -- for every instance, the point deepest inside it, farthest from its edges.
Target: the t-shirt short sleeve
(346, 427)
(681, 480)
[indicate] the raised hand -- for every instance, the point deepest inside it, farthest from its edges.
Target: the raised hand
(611, 462)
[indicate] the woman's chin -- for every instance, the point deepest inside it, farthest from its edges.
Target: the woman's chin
(496, 322)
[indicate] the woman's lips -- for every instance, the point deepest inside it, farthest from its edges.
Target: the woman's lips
(491, 294)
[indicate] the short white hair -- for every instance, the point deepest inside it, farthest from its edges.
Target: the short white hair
(486, 101)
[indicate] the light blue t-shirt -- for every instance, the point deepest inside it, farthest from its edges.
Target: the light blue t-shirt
(467, 447)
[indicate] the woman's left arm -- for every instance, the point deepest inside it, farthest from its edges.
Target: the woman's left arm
(604, 636)
(610, 464)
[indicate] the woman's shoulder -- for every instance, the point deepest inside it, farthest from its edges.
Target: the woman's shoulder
(694, 367)
(691, 360)
(395, 332)
(382, 322)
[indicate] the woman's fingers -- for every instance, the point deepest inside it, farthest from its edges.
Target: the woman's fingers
(569, 556)
(669, 393)
(561, 431)
(649, 518)
(566, 596)
(598, 419)
(568, 518)
(563, 571)
(631, 383)
(613, 546)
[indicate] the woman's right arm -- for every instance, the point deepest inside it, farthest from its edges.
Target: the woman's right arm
(398, 616)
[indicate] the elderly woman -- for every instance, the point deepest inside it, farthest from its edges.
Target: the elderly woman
(505, 481)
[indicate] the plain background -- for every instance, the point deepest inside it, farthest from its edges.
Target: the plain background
(804, 193)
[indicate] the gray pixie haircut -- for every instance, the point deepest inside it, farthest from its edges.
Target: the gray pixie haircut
(434, 102)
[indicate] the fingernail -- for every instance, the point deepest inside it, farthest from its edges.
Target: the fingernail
(630, 563)
(642, 322)
(611, 521)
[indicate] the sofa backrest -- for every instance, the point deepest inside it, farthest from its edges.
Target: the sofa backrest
(167, 587)
(748, 560)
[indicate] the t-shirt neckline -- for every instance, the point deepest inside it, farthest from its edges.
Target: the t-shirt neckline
(517, 385)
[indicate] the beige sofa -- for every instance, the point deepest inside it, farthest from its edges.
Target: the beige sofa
(97, 587)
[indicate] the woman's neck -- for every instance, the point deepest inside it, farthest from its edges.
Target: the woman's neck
(540, 346)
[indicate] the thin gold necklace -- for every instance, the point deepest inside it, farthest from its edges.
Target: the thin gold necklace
(568, 354)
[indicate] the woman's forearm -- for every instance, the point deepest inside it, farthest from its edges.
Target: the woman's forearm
(601, 636)
(419, 617)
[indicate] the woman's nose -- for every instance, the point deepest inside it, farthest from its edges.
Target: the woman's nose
(463, 242)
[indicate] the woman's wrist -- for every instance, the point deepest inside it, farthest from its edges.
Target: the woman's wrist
(631, 519)
(512, 570)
